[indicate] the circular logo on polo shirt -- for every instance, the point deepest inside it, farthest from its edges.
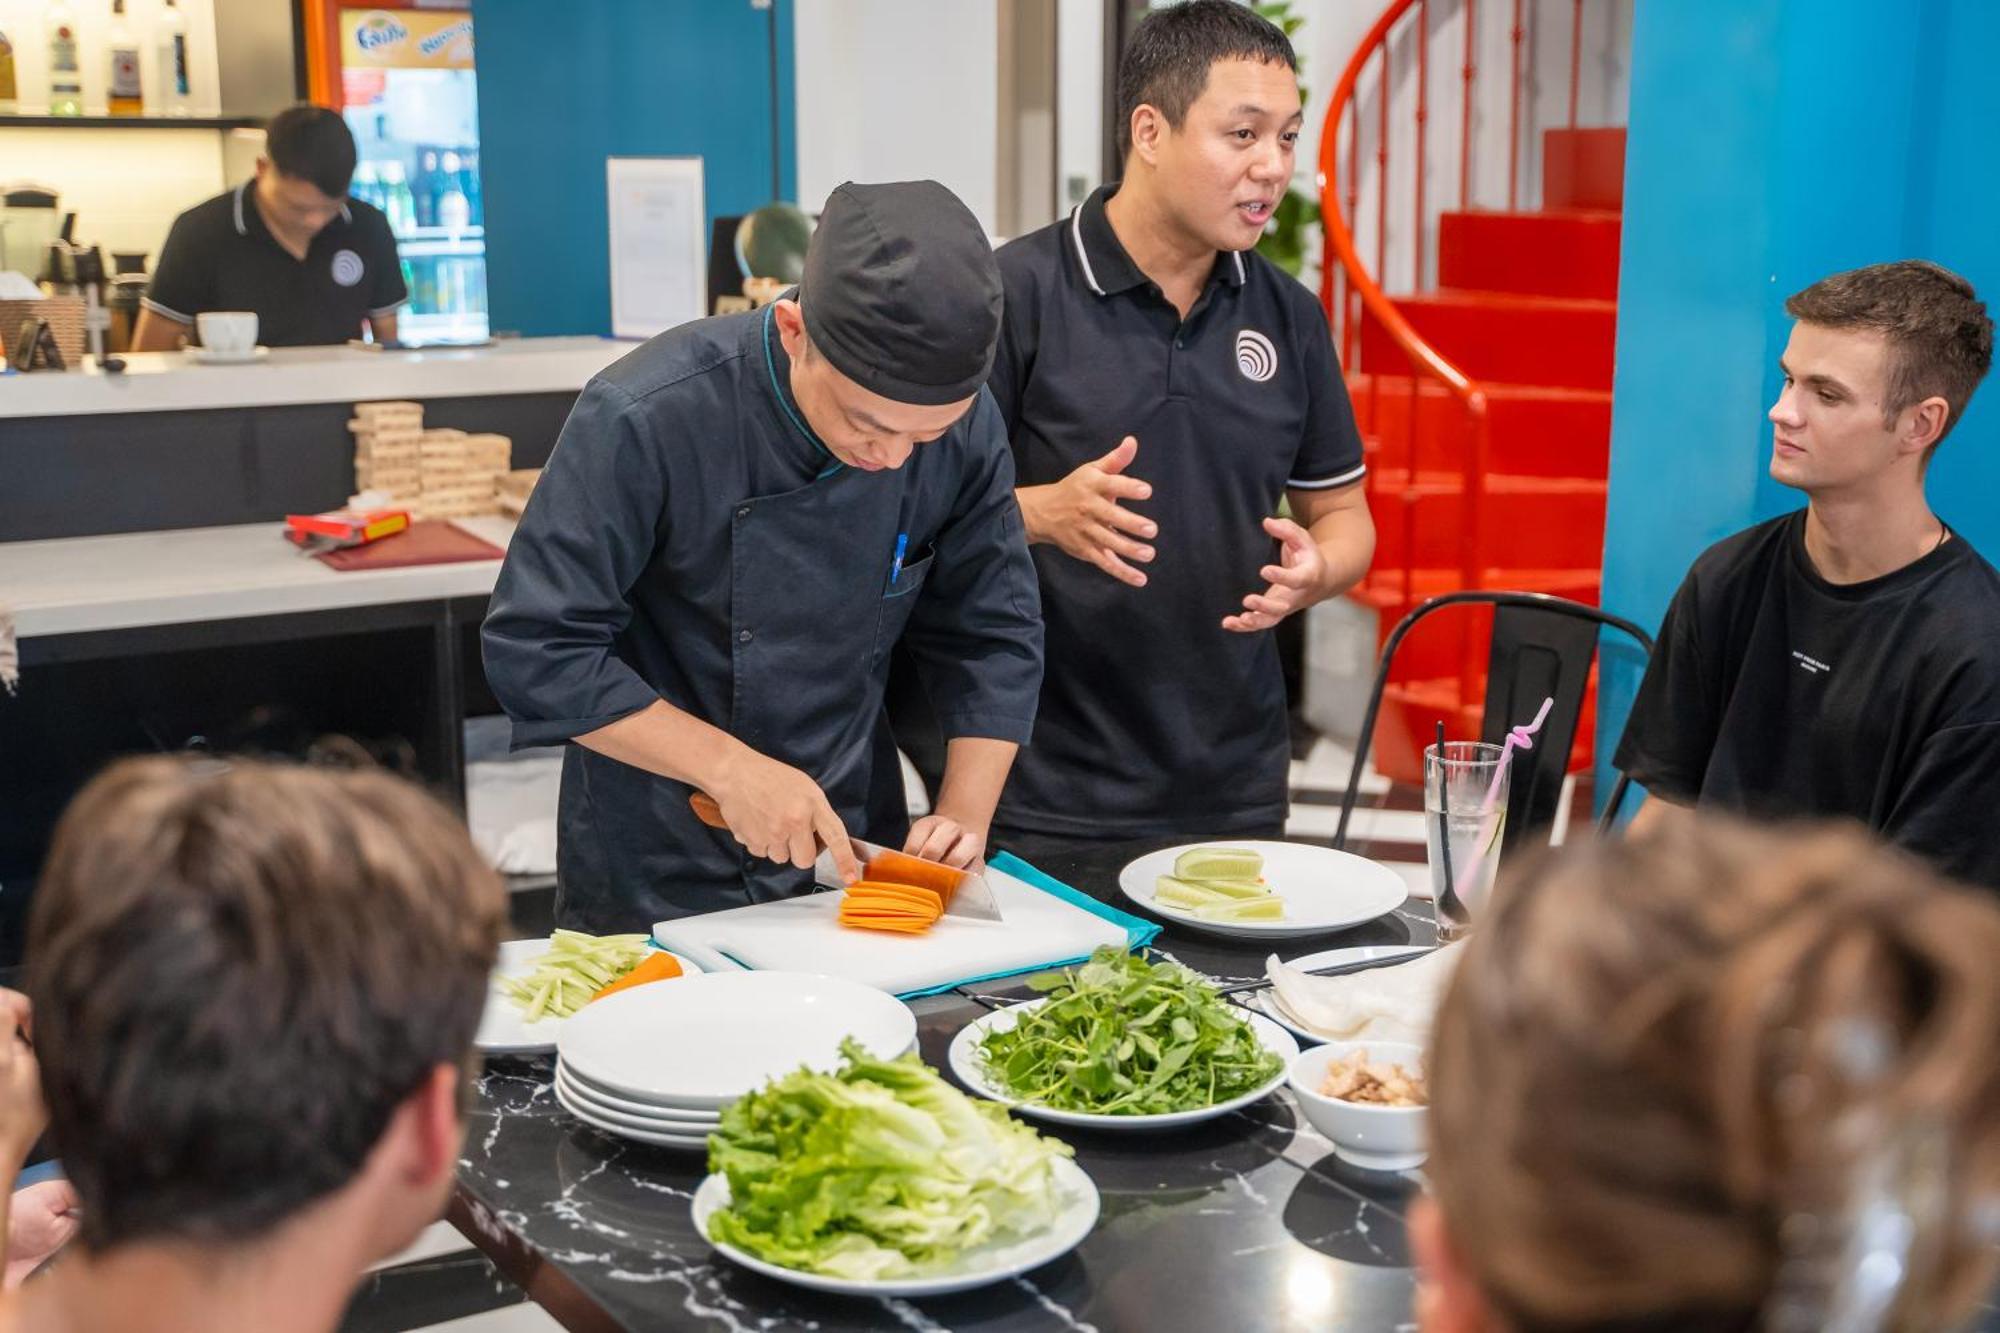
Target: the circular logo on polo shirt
(347, 268)
(1255, 356)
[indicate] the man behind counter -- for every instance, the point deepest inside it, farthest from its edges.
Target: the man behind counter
(289, 244)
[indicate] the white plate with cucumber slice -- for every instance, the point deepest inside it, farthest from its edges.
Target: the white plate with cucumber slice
(504, 1028)
(1305, 890)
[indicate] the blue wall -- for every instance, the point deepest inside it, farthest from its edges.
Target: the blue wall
(1773, 142)
(561, 88)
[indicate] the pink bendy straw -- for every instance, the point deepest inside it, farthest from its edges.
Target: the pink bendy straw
(1520, 738)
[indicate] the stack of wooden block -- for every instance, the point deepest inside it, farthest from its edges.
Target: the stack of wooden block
(386, 448)
(516, 487)
(438, 473)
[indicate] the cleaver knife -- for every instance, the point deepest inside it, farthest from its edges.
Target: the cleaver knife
(965, 892)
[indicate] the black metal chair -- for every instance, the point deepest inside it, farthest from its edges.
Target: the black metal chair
(1543, 647)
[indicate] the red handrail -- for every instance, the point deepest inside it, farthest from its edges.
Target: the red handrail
(1351, 292)
(1426, 361)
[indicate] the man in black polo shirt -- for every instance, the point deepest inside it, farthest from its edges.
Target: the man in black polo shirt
(290, 245)
(1163, 387)
(1844, 659)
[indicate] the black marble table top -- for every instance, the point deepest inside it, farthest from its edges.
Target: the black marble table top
(1242, 1223)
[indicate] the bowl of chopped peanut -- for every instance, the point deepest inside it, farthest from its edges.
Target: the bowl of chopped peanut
(1368, 1098)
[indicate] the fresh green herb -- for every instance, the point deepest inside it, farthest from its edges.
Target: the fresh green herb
(1121, 1036)
(881, 1170)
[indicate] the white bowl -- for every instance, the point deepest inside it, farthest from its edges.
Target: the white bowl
(1374, 1138)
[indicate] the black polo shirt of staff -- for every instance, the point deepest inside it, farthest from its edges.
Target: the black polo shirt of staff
(1155, 719)
(220, 255)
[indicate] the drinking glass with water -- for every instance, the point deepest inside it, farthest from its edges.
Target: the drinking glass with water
(1466, 783)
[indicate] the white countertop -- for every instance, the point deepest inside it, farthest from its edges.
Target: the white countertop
(76, 584)
(175, 382)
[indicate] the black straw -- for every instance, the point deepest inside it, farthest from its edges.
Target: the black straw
(1450, 898)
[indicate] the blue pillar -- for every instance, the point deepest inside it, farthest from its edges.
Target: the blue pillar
(563, 88)
(1773, 142)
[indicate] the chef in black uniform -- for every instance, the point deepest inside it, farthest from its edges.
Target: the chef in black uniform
(739, 520)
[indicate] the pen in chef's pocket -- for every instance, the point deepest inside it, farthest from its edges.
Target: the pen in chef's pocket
(896, 566)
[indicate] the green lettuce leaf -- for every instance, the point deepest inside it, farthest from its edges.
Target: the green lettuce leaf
(879, 1170)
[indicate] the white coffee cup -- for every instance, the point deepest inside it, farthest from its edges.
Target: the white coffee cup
(228, 332)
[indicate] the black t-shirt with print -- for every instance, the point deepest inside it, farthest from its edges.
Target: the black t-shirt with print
(1777, 694)
(221, 256)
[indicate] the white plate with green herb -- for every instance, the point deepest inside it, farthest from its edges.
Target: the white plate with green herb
(1317, 889)
(881, 1179)
(505, 1027)
(1120, 1043)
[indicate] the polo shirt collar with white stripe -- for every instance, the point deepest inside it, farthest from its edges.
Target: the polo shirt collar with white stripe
(1107, 269)
(244, 211)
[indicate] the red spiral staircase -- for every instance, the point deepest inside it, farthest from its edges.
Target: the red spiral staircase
(1483, 396)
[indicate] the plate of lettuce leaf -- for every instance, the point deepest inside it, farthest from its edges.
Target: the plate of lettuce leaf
(881, 1179)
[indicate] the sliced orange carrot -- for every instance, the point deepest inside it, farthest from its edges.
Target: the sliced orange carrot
(655, 967)
(899, 868)
(863, 909)
(876, 891)
(917, 911)
(893, 886)
(900, 927)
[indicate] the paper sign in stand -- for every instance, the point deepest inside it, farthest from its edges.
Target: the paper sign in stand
(659, 260)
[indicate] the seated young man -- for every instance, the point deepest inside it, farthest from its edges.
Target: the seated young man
(1844, 660)
(255, 988)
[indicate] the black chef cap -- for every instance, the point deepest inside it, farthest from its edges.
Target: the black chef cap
(901, 292)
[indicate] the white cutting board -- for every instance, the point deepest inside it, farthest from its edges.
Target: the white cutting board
(803, 935)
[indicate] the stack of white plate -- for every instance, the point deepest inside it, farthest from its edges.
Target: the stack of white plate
(658, 1063)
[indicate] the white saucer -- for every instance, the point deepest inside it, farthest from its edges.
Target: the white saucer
(208, 356)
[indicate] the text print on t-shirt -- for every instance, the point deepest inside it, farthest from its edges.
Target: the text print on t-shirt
(1812, 666)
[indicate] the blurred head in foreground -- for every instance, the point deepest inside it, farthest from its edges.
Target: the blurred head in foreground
(255, 990)
(1717, 1079)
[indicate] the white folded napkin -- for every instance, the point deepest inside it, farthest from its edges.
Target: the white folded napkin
(1382, 1004)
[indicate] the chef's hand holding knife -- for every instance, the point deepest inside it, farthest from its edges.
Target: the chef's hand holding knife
(780, 814)
(776, 812)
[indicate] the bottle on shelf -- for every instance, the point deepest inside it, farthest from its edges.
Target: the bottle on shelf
(454, 210)
(424, 189)
(10, 93)
(65, 72)
(170, 61)
(367, 186)
(470, 183)
(397, 201)
(126, 95)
